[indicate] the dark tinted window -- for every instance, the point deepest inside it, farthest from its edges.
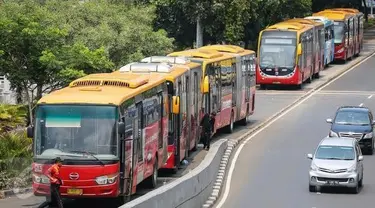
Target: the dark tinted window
(352, 117)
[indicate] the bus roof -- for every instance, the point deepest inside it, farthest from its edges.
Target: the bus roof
(203, 55)
(169, 71)
(294, 26)
(327, 22)
(333, 15)
(306, 21)
(348, 10)
(103, 89)
(228, 49)
(179, 60)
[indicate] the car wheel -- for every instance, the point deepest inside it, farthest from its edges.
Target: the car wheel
(355, 190)
(312, 188)
(360, 183)
(371, 149)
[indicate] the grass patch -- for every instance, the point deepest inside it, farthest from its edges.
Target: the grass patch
(370, 23)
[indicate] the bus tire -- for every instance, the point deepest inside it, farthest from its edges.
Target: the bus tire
(153, 179)
(309, 80)
(230, 127)
(262, 86)
(245, 120)
(317, 75)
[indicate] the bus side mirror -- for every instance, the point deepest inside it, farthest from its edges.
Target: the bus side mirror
(175, 104)
(30, 131)
(206, 85)
(121, 128)
(299, 49)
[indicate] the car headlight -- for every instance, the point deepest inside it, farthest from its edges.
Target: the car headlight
(333, 134)
(313, 167)
(368, 136)
(103, 180)
(352, 169)
(41, 179)
(340, 50)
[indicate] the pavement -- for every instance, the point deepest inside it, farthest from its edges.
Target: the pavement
(268, 102)
(272, 168)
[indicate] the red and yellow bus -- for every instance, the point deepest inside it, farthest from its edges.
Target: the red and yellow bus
(358, 27)
(109, 129)
(318, 43)
(285, 55)
(183, 81)
(244, 80)
(218, 72)
(343, 33)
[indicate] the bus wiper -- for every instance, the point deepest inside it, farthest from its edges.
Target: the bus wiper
(88, 153)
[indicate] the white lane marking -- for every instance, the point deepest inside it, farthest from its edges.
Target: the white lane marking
(369, 97)
(238, 151)
(360, 105)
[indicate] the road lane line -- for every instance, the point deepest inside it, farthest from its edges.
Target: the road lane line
(238, 151)
(360, 105)
(369, 97)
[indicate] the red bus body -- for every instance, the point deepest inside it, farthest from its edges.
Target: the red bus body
(183, 80)
(245, 80)
(138, 142)
(285, 39)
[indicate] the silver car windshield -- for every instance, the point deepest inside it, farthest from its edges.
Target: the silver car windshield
(326, 152)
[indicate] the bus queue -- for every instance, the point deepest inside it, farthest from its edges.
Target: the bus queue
(294, 51)
(127, 125)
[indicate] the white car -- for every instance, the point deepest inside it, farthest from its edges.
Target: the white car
(337, 162)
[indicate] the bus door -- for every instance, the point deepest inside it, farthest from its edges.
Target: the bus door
(178, 125)
(233, 81)
(195, 107)
(137, 159)
(247, 75)
(187, 112)
(161, 123)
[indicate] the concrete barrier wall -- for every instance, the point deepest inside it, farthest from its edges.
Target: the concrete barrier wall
(189, 191)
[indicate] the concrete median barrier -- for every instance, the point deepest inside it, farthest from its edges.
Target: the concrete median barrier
(189, 191)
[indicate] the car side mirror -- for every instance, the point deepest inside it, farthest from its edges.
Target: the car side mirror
(373, 122)
(329, 120)
(121, 128)
(310, 156)
(30, 131)
(360, 158)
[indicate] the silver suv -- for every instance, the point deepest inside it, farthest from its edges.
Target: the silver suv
(337, 162)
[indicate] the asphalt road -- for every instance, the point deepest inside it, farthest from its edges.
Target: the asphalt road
(272, 168)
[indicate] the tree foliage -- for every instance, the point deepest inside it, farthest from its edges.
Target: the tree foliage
(47, 44)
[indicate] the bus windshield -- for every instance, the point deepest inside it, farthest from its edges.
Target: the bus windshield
(339, 32)
(277, 52)
(65, 130)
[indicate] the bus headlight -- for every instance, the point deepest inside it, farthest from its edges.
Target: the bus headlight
(41, 179)
(103, 180)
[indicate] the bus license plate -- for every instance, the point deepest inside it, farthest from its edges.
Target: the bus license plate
(74, 191)
(332, 182)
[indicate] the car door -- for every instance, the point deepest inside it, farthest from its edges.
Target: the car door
(359, 163)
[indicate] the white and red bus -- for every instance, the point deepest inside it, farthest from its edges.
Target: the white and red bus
(111, 131)
(344, 33)
(285, 55)
(183, 81)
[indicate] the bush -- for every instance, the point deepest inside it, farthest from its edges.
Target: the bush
(15, 160)
(11, 117)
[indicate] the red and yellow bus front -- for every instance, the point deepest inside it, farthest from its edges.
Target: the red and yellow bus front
(277, 57)
(86, 138)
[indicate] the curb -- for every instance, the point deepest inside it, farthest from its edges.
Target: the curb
(232, 143)
(7, 193)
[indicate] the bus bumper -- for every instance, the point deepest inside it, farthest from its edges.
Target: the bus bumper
(278, 80)
(98, 191)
